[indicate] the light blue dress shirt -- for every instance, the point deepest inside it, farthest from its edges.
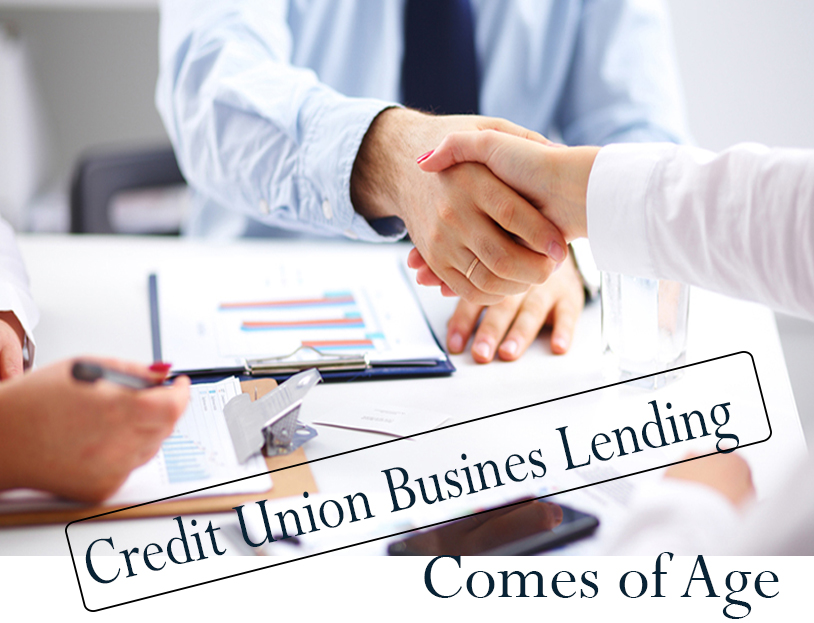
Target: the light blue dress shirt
(267, 101)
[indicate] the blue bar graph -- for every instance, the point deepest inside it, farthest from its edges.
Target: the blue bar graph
(183, 459)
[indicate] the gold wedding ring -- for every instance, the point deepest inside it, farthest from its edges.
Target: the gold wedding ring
(471, 268)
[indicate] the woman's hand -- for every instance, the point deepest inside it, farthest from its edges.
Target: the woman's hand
(554, 179)
(81, 440)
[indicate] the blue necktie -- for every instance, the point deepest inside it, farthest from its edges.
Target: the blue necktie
(439, 72)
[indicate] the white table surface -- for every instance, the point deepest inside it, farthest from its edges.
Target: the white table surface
(92, 292)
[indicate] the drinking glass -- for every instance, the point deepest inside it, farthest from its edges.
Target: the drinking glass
(644, 327)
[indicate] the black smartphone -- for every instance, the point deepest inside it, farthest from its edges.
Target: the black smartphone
(524, 527)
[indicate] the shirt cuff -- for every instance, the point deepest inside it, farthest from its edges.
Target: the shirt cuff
(22, 306)
(584, 259)
(330, 149)
(616, 207)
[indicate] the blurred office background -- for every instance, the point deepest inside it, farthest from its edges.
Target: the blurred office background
(80, 74)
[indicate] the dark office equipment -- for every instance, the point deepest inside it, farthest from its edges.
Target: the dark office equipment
(99, 177)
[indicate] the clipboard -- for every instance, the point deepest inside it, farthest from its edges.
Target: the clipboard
(286, 483)
(331, 367)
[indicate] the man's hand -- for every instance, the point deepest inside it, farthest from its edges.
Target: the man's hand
(554, 179)
(460, 215)
(12, 337)
(81, 440)
(728, 474)
(515, 322)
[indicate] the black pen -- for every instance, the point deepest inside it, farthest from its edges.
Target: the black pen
(92, 372)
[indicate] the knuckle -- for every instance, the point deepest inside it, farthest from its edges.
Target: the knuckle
(515, 287)
(505, 211)
(487, 282)
(496, 321)
(459, 323)
(542, 268)
(567, 312)
(503, 287)
(502, 264)
(437, 238)
(447, 213)
(490, 329)
(478, 297)
(540, 237)
(537, 307)
(492, 299)
(465, 290)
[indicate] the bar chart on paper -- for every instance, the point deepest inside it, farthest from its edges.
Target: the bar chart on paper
(332, 322)
(221, 315)
(197, 448)
(197, 454)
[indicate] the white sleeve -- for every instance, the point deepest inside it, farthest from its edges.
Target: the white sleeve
(740, 222)
(14, 294)
(676, 516)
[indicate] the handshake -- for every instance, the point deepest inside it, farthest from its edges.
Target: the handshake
(552, 178)
(491, 211)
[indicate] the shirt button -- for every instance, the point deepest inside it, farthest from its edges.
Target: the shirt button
(327, 210)
(264, 206)
(351, 234)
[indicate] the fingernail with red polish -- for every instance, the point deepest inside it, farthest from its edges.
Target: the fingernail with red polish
(160, 366)
(423, 157)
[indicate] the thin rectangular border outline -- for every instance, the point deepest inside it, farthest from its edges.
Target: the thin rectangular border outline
(336, 549)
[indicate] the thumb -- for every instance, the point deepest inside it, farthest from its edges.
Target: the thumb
(458, 147)
(507, 127)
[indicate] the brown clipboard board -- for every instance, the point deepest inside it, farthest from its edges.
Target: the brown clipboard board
(286, 483)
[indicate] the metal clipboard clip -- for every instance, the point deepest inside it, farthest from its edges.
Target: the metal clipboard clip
(271, 423)
(306, 357)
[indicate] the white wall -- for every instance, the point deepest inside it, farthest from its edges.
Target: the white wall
(746, 64)
(748, 70)
(96, 71)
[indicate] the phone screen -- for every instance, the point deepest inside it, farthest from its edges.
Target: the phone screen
(523, 528)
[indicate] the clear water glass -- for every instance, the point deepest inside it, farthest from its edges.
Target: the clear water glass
(644, 327)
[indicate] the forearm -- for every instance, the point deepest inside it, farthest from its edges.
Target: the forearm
(250, 130)
(568, 187)
(14, 435)
(378, 171)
